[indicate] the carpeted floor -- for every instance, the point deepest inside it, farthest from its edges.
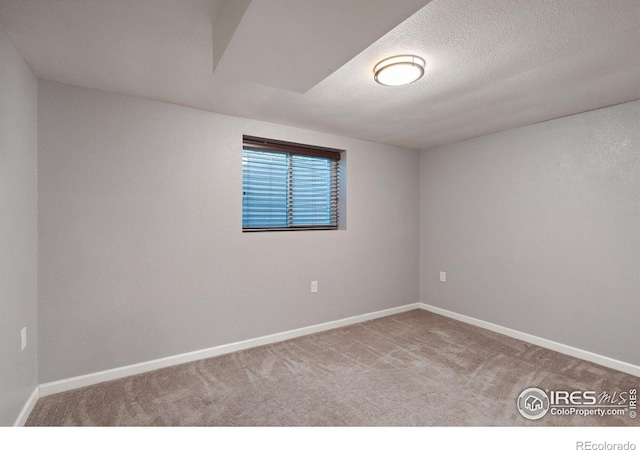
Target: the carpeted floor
(414, 368)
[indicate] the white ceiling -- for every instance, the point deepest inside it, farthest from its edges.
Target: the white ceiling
(491, 65)
(294, 45)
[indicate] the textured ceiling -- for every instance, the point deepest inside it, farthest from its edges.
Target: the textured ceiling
(491, 65)
(306, 40)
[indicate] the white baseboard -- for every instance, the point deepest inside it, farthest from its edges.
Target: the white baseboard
(55, 387)
(27, 408)
(546, 343)
(135, 369)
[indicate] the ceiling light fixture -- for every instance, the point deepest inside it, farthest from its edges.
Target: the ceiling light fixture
(399, 70)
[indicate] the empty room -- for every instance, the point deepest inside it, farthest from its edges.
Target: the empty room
(320, 213)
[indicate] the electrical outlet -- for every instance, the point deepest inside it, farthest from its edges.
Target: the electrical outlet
(23, 338)
(443, 276)
(314, 286)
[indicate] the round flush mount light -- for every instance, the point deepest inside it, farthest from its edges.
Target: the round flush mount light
(399, 70)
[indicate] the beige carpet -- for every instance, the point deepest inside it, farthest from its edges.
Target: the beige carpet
(414, 368)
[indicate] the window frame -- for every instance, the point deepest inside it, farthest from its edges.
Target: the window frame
(272, 145)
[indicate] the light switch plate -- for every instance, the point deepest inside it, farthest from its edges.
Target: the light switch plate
(23, 338)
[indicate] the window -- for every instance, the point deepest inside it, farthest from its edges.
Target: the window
(288, 186)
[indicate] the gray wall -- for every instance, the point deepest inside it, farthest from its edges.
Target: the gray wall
(141, 250)
(18, 231)
(538, 229)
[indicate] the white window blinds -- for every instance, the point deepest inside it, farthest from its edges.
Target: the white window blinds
(285, 187)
